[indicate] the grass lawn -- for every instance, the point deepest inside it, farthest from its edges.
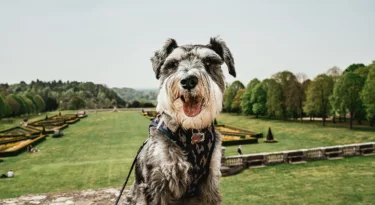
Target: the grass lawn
(345, 181)
(294, 135)
(95, 152)
(98, 151)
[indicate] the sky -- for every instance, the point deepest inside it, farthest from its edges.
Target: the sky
(111, 41)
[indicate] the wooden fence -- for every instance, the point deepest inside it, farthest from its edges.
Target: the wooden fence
(300, 156)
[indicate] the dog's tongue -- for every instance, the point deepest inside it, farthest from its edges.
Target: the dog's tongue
(192, 108)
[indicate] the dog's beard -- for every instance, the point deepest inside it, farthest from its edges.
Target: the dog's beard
(195, 109)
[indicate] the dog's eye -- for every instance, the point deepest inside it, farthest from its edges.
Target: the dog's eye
(171, 64)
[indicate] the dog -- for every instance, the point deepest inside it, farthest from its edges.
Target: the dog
(180, 163)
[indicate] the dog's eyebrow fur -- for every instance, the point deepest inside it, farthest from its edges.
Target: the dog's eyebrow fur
(170, 62)
(195, 51)
(213, 59)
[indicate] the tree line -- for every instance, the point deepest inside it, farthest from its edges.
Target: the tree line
(38, 96)
(336, 94)
(14, 105)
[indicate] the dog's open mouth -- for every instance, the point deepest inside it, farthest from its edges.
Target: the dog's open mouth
(192, 105)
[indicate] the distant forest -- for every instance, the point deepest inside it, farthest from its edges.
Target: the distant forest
(341, 95)
(38, 96)
(143, 96)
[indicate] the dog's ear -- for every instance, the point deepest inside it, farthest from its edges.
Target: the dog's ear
(160, 55)
(220, 47)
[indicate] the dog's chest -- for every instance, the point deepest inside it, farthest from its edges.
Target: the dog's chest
(198, 147)
(198, 154)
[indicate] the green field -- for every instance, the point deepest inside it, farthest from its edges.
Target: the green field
(295, 135)
(97, 152)
(346, 181)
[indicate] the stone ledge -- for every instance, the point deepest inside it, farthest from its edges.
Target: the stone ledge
(104, 196)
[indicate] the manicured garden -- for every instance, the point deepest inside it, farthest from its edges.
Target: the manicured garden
(295, 135)
(98, 152)
(15, 121)
(21, 138)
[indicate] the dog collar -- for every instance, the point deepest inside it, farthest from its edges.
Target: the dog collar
(195, 135)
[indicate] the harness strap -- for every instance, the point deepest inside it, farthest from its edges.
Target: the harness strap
(164, 131)
(212, 148)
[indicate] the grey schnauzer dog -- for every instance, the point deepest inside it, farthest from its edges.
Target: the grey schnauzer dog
(180, 163)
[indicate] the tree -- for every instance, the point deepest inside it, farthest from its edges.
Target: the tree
(236, 104)
(285, 79)
(39, 102)
(230, 93)
(246, 105)
(3, 106)
(135, 104)
(51, 104)
(14, 105)
(148, 105)
(368, 94)
(76, 103)
(310, 107)
(107, 103)
(274, 97)
(318, 94)
(8, 109)
(363, 71)
(361, 112)
(295, 99)
(259, 99)
(335, 72)
(29, 105)
(348, 89)
(23, 109)
(305, 85)
(353, 67)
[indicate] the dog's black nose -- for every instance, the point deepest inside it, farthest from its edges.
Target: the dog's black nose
(189, 82)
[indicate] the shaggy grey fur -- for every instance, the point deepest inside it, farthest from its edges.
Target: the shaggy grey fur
(162, 170)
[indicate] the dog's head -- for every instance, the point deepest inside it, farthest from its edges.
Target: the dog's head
(191, 81)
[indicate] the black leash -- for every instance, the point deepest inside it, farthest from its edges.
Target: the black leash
(130, 171)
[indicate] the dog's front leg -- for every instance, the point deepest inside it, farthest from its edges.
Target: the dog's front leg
(168, 171)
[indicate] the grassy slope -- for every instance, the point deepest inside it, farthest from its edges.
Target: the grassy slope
(294, 135)
(98, 151)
